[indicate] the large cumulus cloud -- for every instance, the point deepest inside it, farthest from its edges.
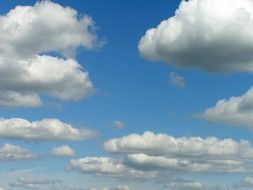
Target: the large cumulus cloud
(37, 49)
(213, 35)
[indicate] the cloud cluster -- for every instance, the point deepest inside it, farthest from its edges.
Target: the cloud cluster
(236, 111)
(46, 129)
(64, 151)
(30, 36)
(213, 35)
(158, 152)
(12, 152)
(106, 167)
(151, 155)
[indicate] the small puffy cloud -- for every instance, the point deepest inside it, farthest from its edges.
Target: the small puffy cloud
(117, 124)
(177, 80)
(64, 150)
(236, 111)
(212, 35)
(29, 35)
(161, 152)
(105, 167)
(13, 152)
(181, 184)
(247, 181)
(46, 129)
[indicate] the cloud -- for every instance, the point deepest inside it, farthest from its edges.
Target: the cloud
(161, 152)
(106, 167)
(118, 187)
(121, 187)
(236, 111)
(177, 80)
(30, 36)
(117, 124)
(64, 150)
(12, 152)
(31, 183)
(14, 99)
(212, 35)
(146, 162)
(181, 184)
(248, 181)
(46, 129)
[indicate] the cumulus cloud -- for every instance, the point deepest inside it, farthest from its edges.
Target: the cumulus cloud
(106, 167)
(213, 35)
(177, 80)
(146, 162)
(46, 129)
(29, 35)
(117, 124)
(235, 111)
(13, 152)
(64, 150)
(161, 152)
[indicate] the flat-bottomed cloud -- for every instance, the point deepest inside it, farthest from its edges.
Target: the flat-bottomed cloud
(212, 35)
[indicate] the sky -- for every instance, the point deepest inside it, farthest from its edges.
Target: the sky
(126, 95)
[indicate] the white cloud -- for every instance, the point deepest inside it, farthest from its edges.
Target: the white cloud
(121, 187)
(177, 80)
(118, 187)
(161, 152)
(146, 162)
(28, 35)
(185, 185)
(163, 144)
(16, 99)
(117, 124)
(235, 111)
(106, 167)
(13, 152)
(64, 150)
(247, 181)
(31, 183)
(46, 129)
(213, 35)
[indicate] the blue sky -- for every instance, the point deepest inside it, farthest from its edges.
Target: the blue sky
(151, 110)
